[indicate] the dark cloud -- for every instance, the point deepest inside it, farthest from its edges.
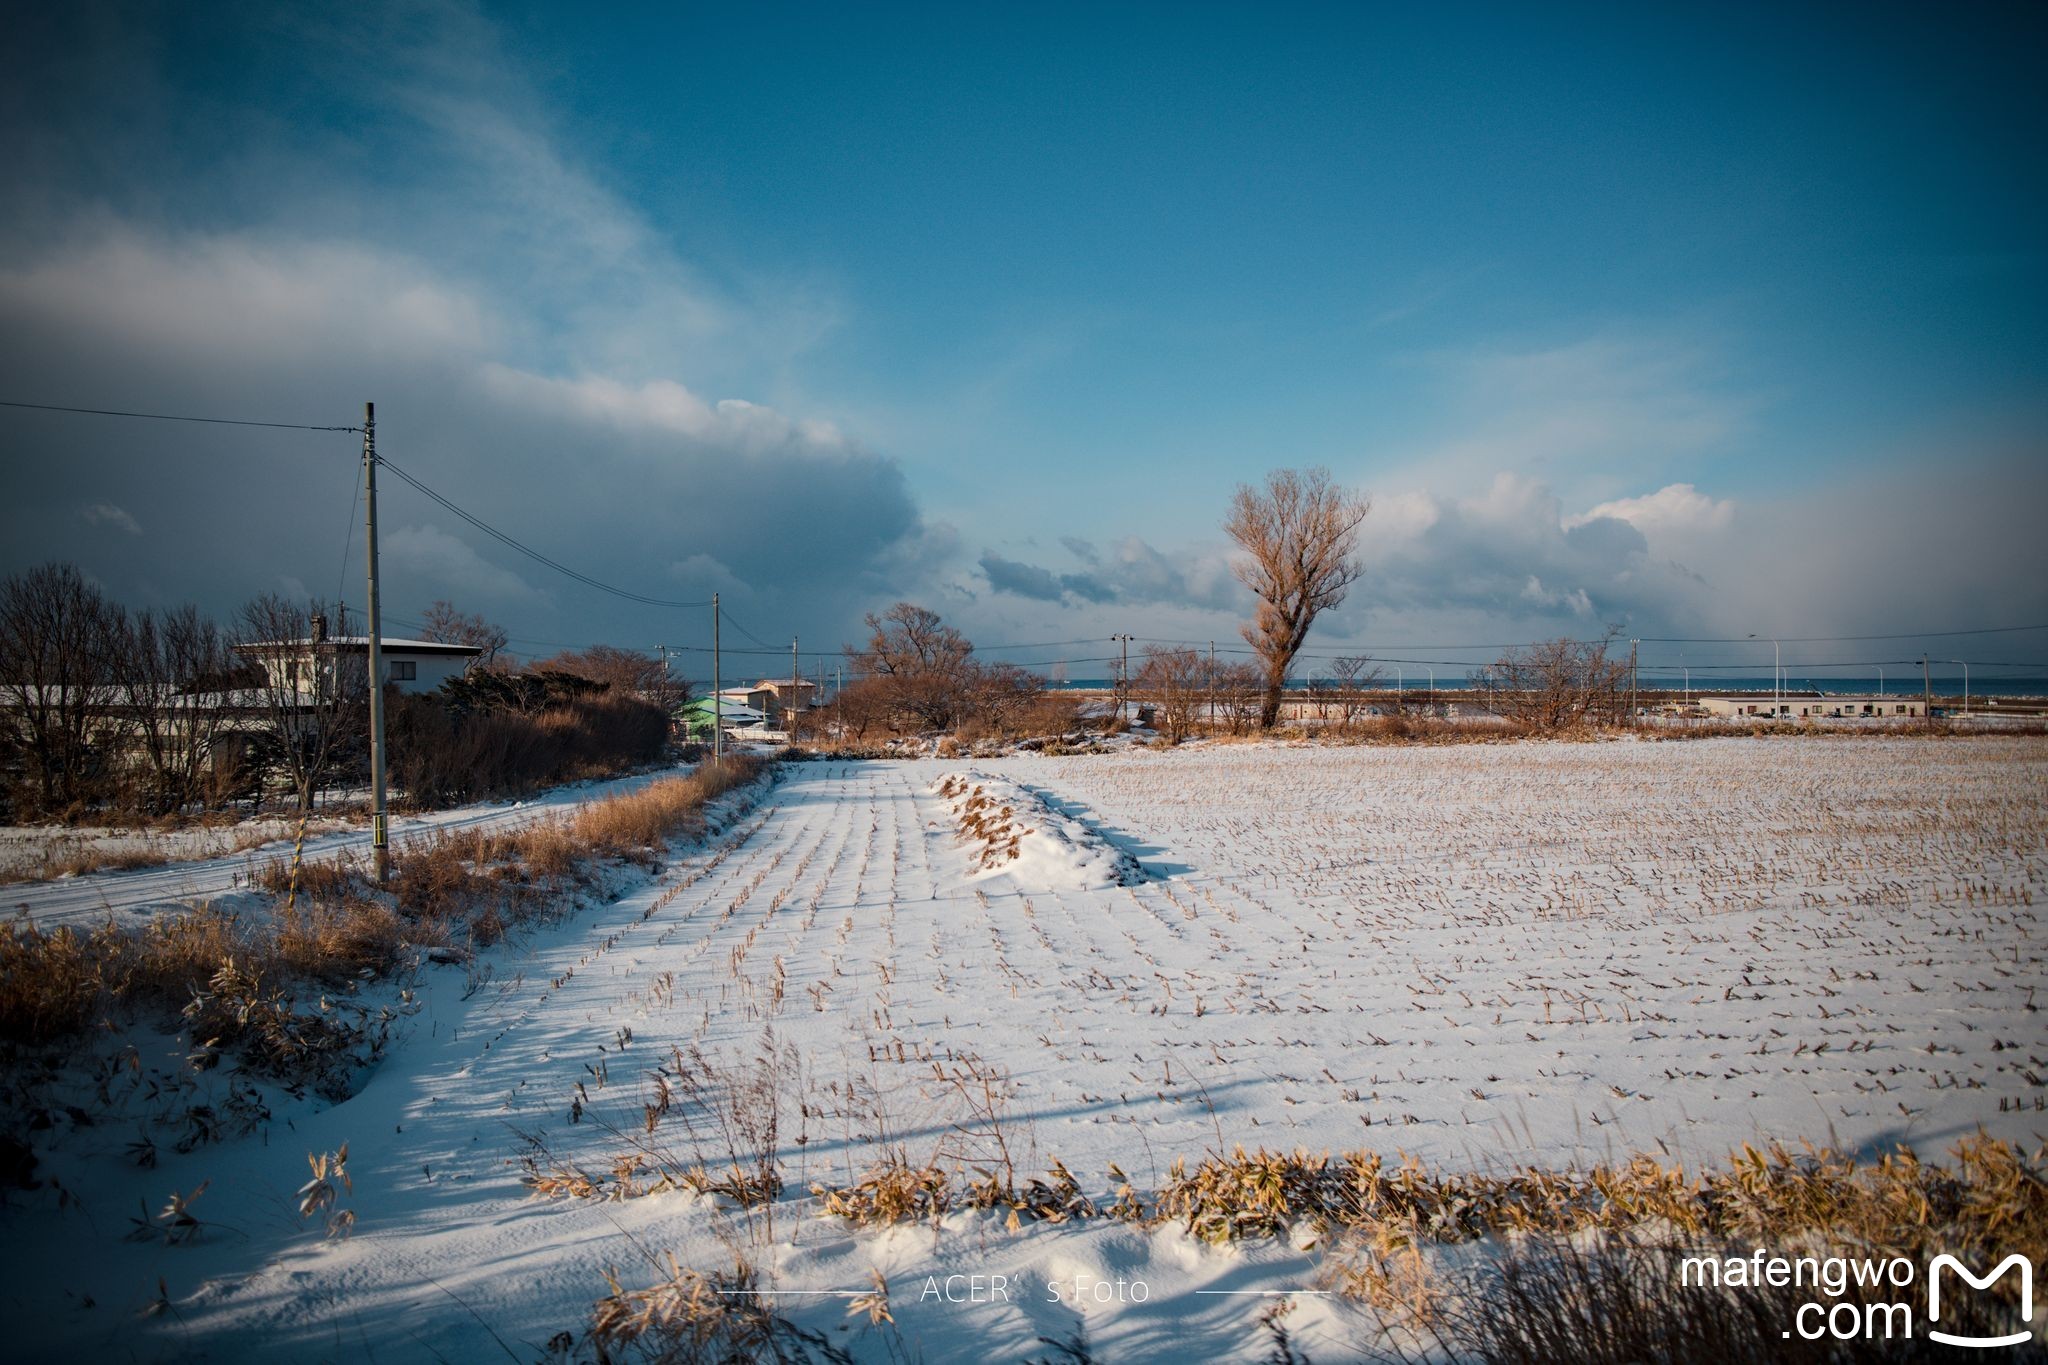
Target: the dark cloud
(624, 481)
(1025, 580)
(1133, 572)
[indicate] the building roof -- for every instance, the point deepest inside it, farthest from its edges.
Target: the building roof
(1829, 697)
(387, 643)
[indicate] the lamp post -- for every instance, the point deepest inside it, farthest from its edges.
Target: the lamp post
(1777, 690)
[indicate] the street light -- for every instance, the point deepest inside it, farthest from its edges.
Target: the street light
(1777, 682)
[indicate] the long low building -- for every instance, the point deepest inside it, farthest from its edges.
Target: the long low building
(1816, 706)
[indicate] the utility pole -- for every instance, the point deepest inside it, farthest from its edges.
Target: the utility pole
(717, 702)
(795, 692)
(1926, 693)
(1123, 678)
(1212, 683)
(1633, 642)
(380, 832)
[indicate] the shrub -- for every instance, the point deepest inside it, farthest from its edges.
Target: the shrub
(49, 983)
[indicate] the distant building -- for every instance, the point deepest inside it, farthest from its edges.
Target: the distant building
(1815, 706)
(773, 696)
(409, 665)
(733, 714)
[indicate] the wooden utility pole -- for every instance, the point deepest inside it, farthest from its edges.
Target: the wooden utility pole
(717, 702)
(1631, 681)
(1926, 693)
(1123, 681)
(795, 693)
(380, 833)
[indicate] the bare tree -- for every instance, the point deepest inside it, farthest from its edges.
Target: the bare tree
(1002, 695)
(858, 707)
(1557, 684)
(1352, 675)
(175, 667)
(1300, 538)
(444, 623)
(314, 687)
(60, 641)
(1238, 691)
(925, 665)
(1176, 682)
(627, 671)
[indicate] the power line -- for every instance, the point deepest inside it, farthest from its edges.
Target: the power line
(748, 633)
(532, 553)
(1833, 639)
(171, 417)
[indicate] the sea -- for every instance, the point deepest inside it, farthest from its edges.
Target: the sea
(1906, 682)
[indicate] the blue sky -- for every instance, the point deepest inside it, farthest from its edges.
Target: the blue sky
(1622, 315)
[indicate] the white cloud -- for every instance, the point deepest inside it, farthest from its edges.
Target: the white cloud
(1674, 507)
(441, 565)
(661, 405)
(238, 297)
(108, 514)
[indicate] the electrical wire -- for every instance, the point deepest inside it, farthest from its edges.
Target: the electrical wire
(529, 551)
(170, 417)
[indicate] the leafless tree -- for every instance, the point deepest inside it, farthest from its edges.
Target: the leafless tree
(1238, 691)
(627, 671)
(1002, 695)
(858, 707)
(925, 666)
(1299, 535)
(176, 668)
(444, 623)
(1557, 684)
(1176, 682)
(60, 641)
(1353, 675)
(315, 692)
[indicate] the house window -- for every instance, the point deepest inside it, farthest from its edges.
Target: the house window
(404, 670)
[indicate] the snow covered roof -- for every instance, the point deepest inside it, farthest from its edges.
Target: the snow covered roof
(388, 643)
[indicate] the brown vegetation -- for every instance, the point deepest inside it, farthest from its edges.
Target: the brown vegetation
(456, 889)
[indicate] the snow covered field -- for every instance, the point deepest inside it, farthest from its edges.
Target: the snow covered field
(1480, 954)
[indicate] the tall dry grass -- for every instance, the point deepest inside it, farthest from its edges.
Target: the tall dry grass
(463, 889)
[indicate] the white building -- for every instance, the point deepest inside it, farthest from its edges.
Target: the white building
(408, 665)
(1816, 706)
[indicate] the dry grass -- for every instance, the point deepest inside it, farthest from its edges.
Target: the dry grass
(1992, 1197)
(637, 823)
(237, 983)
(77, 857)
(691, 1318)
(49, 983)
(1580, 1264)
(1611, 1301)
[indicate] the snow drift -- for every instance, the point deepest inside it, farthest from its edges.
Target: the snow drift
(1008, 831)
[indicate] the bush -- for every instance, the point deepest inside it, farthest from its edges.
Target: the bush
(444, 752)
(49, 984)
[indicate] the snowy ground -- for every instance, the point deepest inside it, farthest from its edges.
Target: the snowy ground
(1483, 955)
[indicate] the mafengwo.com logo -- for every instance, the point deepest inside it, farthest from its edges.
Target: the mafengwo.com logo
(1864, 1299)
(2014, 1262)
